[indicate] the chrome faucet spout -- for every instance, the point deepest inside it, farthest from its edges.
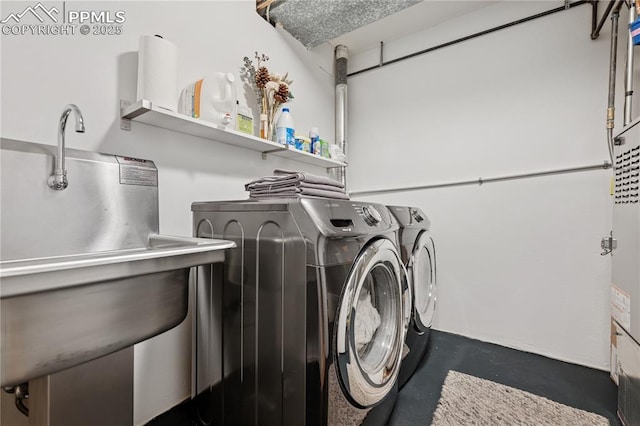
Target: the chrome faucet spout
(58, 180)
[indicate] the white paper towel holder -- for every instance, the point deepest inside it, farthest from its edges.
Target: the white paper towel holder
(163, 93)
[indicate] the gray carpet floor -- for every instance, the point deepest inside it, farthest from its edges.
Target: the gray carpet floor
(573, 385)
(467, 400)
(569, 384)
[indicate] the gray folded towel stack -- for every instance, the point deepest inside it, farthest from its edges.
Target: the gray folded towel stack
(292, 184)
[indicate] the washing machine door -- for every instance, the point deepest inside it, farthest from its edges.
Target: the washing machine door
(370, 325)
(422, 276)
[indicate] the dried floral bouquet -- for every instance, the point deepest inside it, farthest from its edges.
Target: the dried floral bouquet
(272, 90)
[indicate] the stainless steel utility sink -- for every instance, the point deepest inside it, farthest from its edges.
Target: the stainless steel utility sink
(84, 272)
(57, 312)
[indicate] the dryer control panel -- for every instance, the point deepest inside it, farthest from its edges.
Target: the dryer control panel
(410, 217)
(416, 214)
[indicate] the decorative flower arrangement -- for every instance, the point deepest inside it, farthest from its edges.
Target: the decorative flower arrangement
(271, 90)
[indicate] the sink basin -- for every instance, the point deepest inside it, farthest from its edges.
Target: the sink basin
(60, 311)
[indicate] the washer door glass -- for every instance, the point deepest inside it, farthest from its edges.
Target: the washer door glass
(422, 267)
(370, 325)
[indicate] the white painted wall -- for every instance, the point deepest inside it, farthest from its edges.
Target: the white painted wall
(40, 74)
(519, 261)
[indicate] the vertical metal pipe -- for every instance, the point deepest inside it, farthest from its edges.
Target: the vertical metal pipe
(613, 57)
(594, 16)
(628, 80)
(341, 55)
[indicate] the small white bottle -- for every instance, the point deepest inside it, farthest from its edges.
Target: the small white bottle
(285, 131)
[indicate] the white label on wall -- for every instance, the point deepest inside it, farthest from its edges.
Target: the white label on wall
(621, 307)
(134, 171)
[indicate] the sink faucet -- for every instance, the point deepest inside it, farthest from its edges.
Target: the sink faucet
(58, 180)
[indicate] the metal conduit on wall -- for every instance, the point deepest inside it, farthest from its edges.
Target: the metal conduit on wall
(611, 95)
(479, 181)
(341, 56)
(628, 82)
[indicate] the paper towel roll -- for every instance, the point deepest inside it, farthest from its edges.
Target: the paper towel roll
(158, 72)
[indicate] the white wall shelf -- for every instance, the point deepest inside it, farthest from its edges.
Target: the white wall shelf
(145, 112)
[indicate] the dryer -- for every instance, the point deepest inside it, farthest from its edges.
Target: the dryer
(304, 324)
(418, 253)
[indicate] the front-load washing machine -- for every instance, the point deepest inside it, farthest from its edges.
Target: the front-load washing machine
(418, 253)
(305, 321)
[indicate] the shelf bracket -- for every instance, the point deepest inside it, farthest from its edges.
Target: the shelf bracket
(329, 169)
(125, 123)
(264, 153)
(129, 111)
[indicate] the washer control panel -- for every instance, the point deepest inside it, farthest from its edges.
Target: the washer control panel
(349, 217)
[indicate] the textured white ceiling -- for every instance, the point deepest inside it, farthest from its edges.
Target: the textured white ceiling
(315, 22)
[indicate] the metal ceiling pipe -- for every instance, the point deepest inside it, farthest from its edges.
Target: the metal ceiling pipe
(475, 35)
(594, 16)
(628, 81)
(340, 57)
(613, 57)
(596, 32)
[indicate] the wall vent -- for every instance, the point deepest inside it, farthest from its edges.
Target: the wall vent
(627, 177)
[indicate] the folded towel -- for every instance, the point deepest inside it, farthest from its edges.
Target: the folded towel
(288, 196)
(268, 196)
(292, 184)
(272, 186)
(308, 177)
(289, 177)
(294, 192)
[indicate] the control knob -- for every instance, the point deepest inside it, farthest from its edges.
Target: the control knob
(371, 215)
